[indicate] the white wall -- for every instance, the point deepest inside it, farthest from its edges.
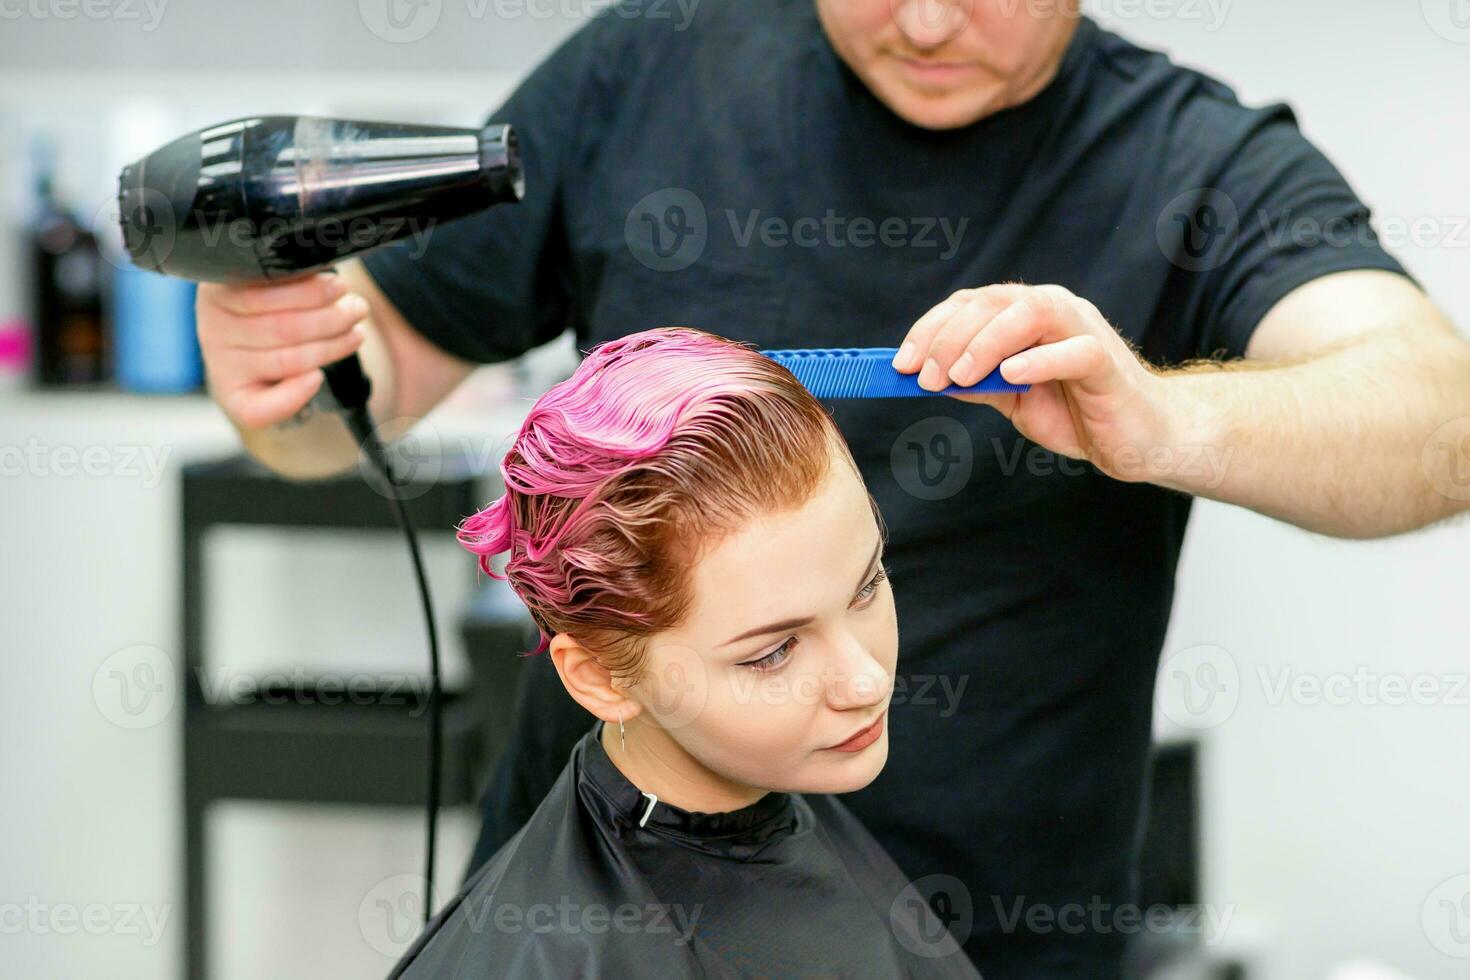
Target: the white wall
(1332, 828)
(1328, 827)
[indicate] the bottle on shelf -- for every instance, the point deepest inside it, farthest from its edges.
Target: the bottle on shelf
(67, 281)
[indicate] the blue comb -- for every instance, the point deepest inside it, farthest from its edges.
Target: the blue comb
(868, 372)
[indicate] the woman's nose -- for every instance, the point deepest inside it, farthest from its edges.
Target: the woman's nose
(855, 679)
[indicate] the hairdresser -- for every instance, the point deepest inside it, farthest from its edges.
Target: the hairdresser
(983, 183)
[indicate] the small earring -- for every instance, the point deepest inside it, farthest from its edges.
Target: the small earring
(622, 732)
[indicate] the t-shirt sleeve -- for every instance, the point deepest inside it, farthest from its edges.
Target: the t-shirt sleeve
(491, 286)
(1274, 214)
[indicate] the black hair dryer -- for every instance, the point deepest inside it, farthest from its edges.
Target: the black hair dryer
(276, 197)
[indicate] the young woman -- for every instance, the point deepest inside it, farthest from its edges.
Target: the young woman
(690, 533)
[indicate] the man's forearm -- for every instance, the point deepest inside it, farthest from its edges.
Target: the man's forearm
(318, 447)
(1342, 442)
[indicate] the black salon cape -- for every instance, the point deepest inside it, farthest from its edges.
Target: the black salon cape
(789, 886)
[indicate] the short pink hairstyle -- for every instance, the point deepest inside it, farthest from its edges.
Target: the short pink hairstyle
(660, 443)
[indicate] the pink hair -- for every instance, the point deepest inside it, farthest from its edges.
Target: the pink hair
(660, 442)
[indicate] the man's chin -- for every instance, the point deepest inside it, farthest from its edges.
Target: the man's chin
(933, 110)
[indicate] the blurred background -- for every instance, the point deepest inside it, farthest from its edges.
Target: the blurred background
(1313, 702)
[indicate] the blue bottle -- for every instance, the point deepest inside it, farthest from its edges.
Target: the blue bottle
(155, 345)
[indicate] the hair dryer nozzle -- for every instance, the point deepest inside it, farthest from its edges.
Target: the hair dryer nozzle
(271, 197)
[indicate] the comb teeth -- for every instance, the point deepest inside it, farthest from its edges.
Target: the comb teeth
(868, 372)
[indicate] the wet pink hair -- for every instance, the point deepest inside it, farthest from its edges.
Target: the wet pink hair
(660, 442)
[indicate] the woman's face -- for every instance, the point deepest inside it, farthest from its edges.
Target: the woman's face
(789, 651)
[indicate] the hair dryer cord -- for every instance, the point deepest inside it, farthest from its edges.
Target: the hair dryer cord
(360, 422)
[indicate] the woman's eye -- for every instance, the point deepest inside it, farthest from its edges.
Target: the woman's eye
(774, 659)
(778, 657)
(871, 588)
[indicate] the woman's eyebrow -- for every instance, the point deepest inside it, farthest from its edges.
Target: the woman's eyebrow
(791, 624)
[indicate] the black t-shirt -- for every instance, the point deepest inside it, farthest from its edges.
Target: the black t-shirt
(605, 882)
(729, 172)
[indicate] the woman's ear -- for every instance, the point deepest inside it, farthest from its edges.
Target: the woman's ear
(588, 682)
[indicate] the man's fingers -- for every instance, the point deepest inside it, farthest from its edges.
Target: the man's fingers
(290, 327)
(251, 299)
(914, 351)
(262, 405)
(957, 333)
(279, 363)
(1065, 360)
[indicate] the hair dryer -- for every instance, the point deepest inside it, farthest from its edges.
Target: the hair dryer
(274, 197)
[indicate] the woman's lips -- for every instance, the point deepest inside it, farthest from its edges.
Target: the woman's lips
(864, 738)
